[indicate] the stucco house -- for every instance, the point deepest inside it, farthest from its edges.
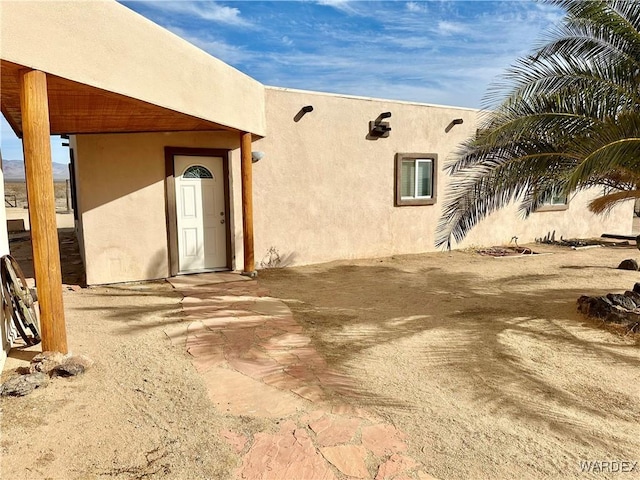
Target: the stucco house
(162, 137)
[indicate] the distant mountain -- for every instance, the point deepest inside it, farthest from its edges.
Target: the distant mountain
(14, 171)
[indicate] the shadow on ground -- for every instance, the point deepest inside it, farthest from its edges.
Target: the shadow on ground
(467, 323)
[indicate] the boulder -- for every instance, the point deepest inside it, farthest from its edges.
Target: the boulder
(628, 264)
(87, 363)
(635, 296)
(622, 301)
(594, 306)
(68, 369)
(24, 384)
(46, 361)
(605, 309)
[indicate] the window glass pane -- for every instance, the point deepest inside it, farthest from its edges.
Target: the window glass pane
(197, 171)
(558, 199)
(555, 197)
(424, 178)
(408, 178)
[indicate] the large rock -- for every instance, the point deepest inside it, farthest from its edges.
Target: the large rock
(24, 384)
(83, 360)
(604, 309)
(67, 370)
(628, 264)
(598, 307)
(622, 301)
(635, 296)
(46, 361)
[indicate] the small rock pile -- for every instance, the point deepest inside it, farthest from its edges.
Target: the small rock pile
(43, 367)
(620, 309)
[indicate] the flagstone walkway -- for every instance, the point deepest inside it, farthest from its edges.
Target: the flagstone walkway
(256, 361)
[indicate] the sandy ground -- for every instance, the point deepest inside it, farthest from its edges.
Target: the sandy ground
(141, 412)
(483, 362)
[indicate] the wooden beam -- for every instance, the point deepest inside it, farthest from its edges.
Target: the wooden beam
(247, 204)
(34, 106)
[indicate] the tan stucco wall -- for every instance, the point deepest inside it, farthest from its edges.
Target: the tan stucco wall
(104, 44)
(121, 201)
(576, 222)
(324, 192)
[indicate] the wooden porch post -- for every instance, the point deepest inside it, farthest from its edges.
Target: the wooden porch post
(34, 105)
(247, 204)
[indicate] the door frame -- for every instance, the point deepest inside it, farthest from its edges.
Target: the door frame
(170, 198)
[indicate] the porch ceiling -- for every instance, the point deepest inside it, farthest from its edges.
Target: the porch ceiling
(78, 108)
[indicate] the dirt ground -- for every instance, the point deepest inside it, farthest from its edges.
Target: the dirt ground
(16, 194)
(483, 362)
(140, 412)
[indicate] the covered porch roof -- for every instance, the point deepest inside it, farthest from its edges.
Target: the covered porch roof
(111, 70)
(76, 108)
(70, 67)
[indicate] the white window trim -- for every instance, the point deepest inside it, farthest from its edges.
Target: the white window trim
(417, 158)
(549, 206)
(417, 161)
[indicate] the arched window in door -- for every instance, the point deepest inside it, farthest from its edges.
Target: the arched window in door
(197, 171)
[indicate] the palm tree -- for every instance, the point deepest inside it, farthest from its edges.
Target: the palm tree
(570, 121)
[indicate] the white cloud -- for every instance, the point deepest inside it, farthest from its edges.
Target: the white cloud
(446, 27)
(385, 49)
(416, 7)
(548, 13)
(345, 6)
(206, 10)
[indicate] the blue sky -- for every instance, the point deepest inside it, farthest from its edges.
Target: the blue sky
(442, 52)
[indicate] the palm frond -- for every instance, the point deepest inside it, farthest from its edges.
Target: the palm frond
(605, 203)
(565, 117)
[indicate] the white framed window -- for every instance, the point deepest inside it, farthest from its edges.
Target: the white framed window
(555, 197)
(553, 201)
(415, 179)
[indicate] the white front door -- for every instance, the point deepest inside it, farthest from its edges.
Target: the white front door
(200, 213)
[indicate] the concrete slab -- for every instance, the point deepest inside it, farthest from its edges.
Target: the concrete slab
(203, 279)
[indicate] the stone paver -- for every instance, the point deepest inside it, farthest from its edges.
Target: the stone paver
(395, 465)
(383, 439)
(332, 430)
(290, 454)
(256, 361)
(313, 393)
(349, 459)
(257, 368)
(235, 393)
